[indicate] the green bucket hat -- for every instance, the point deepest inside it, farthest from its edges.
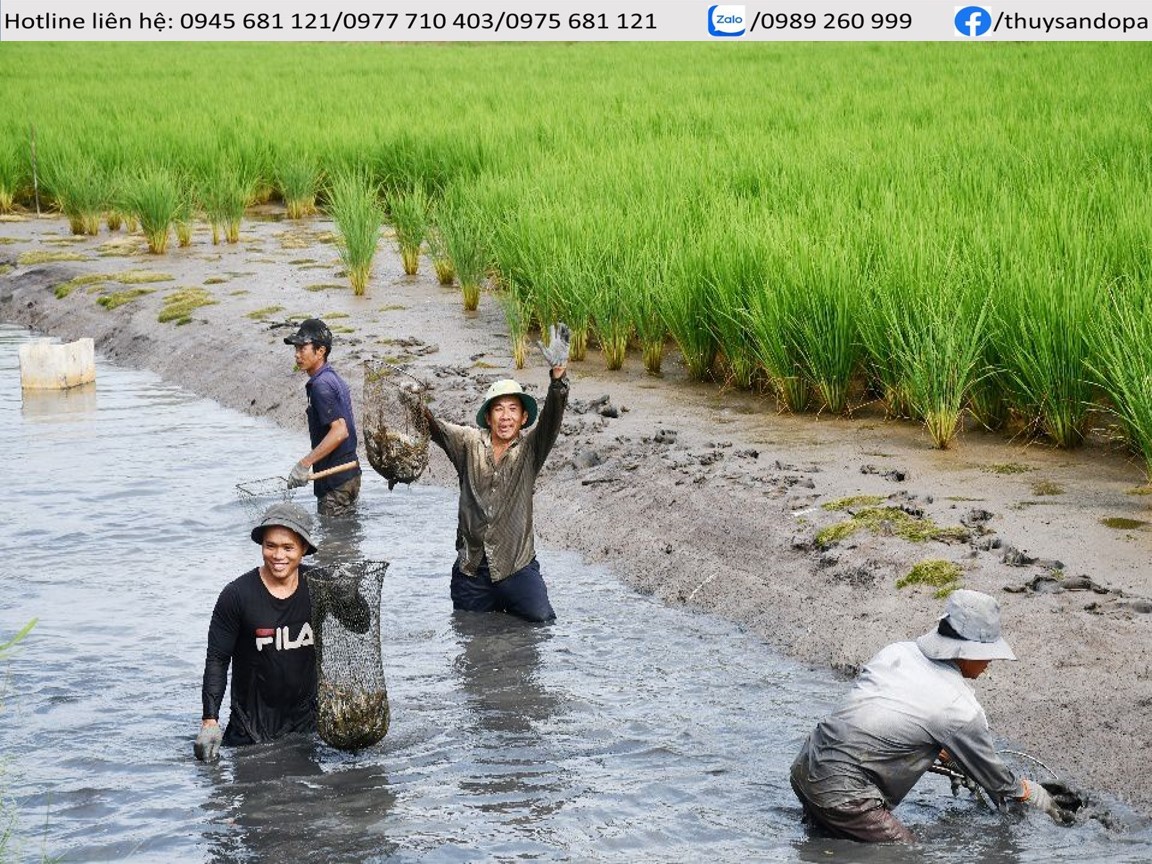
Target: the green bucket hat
(290, 516)
(506, 387)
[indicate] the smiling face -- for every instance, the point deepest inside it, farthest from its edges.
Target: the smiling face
(283, 550)
(506, 417)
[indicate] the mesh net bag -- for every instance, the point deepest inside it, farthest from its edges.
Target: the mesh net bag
(395, 424)
(352, 700)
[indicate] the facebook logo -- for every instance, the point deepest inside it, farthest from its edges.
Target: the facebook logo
(973, 21)
(726, 21)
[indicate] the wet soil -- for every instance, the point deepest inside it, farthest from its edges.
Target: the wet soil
(699, 496)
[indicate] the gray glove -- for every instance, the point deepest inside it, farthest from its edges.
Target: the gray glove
(299, 475)
(207, 743)
(1040, 799)
(557, 351)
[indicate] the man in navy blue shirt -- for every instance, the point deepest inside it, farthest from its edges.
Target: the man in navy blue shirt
(331, 427)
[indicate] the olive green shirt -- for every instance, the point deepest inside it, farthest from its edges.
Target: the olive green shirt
(495, 518)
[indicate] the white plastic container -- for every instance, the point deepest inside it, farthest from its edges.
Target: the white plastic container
(47, 365)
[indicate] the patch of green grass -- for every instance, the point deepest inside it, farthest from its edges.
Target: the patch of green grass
(332, 316)
(296, 262)
(65, 288)
(257, 314)
(1122, 524)
(141, 277)
(215, 280)
(179, 305)
(324, 286)
(342, 328)
(483, 364)
(118, 298)
(936, 573)
(1006, 468)
(28, 258)
(5, 269)
(4, 241)
(854, 501)
(239, 292)
(891, 521)
(1047, 487)
(1141, 490)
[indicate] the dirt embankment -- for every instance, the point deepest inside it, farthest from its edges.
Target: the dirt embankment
(699, 497)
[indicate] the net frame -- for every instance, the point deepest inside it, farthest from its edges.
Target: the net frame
(256, 496)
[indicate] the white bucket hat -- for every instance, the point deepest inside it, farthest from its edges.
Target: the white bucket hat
(975, 619)
(506, 387)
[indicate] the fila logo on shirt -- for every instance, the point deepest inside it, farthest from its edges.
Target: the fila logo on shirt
(281, 638)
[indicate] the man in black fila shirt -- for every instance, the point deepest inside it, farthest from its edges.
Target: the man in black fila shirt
(262, 627)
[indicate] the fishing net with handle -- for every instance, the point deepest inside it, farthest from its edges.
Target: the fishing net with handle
(396, 432)
(352, 700)
(256, 496)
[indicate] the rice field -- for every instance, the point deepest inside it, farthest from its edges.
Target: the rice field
(961, 233)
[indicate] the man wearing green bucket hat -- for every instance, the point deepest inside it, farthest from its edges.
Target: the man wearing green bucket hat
(262, 627)
(496, 568)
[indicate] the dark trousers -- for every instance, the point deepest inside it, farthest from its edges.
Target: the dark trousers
(866, 821)
(522, 594)
(339, 501)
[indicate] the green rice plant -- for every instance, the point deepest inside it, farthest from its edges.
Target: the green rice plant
(114, 219)
(224, 193)
(1046, 314)
(938, 336)
(466, 242)
(182, 223)
(409, 210)
(611, 314)
(1122, 365)
(299, 181)
(774, 338)
(685, 309)
(438, 252)
(571, 281)
(355, 208)
(14, 176)
(156, 201)
(737, 269)
(81, 190)
(517, 307)
(827, 311)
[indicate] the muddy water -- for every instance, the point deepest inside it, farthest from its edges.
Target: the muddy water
(626, 731)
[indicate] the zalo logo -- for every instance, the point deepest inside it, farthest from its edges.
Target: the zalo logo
(726, 20)
(972, 21)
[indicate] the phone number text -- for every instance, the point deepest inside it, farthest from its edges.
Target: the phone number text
(334, 22)
(764, 21)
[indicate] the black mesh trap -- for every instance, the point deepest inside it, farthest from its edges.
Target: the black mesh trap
(352, 700)
(395, 423)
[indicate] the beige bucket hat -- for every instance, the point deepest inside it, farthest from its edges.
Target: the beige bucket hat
(506, 387)
(975, 619)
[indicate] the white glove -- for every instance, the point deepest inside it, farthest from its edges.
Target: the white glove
(557, 351)
(1039, 798)
(299, 475)
(207, 743)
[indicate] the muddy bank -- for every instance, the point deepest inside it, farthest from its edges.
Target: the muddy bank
(699, 497)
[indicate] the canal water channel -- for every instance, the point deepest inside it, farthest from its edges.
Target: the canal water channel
(626, 731)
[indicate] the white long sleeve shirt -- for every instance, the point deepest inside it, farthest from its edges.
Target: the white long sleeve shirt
(902, 710)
